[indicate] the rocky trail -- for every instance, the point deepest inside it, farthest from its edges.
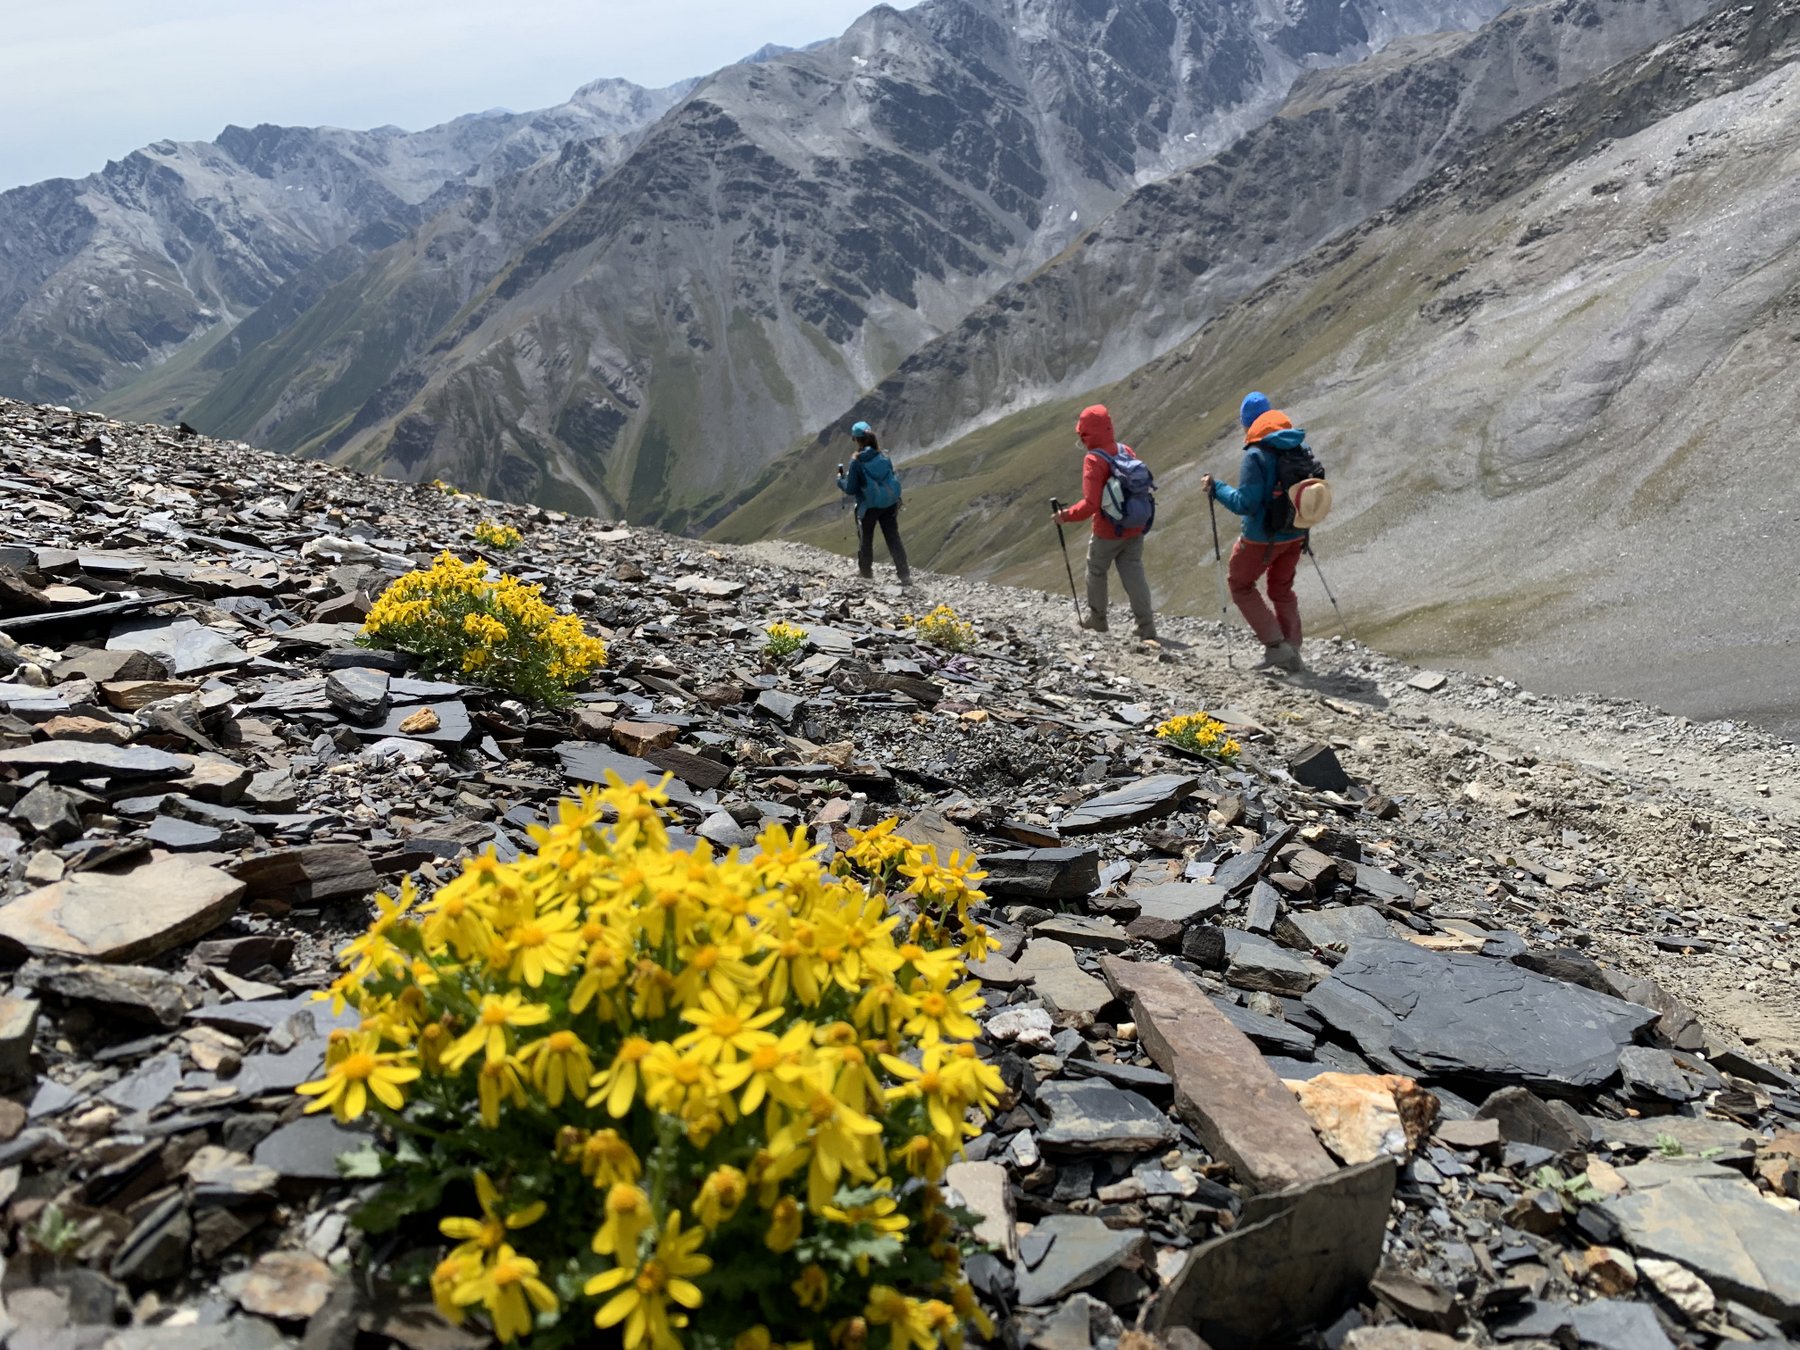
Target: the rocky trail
(1448, 1015)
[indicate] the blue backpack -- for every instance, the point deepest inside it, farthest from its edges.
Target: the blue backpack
(880, 484)
(1129, 498)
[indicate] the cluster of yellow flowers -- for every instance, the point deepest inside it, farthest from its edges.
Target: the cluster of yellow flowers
(448, 489)
(784, 639)
(943, 629)
(1201, 733)
(701, 1099)
(495, 535)
(493, 631)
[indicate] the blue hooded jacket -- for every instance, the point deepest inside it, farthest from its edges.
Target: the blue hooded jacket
(1256, 477)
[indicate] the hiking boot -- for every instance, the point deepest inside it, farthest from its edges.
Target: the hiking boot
(1094, 623)
(1146, 634)
(906, 582)
(1279, 656)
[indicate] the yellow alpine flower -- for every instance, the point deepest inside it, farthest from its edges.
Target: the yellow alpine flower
(628, 1214)
(504, 1287)
(480, 1238)
(617, 1085)
(721, 1194)
(722, 1032)
(665, 1277)
(545, 944)
(362, 1068)
(498, 1014)
(559, 1063)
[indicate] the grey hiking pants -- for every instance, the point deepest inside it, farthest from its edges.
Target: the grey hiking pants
(1128, 555)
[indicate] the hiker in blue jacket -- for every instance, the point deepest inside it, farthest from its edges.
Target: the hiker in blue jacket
(872, 481)
(1276, 553)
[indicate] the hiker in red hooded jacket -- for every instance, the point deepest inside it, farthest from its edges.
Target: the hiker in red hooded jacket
(1109, 544)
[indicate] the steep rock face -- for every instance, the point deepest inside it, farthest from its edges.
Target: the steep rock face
(1552, 386)
(106, 277)
(797, 227)
(1347, 143)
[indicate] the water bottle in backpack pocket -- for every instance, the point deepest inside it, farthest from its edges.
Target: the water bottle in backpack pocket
(1128, 500)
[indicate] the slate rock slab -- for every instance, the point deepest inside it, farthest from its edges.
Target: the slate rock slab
(1417, 1011)
(453, 724)
(184, 646)
(70, 761)
(122, 916)
(1133, 804)
(1088, 1114)
(1297, 1258)
(1716, 1224)
(587, 762)
(18, 1028)
(1178, 901)
(1317, 766)
(1042, 873)
(1324, 928)
(314, 872)
(136, 994)
(1081, 1251)
(1059, 980)
(1241, 1111)
(308, 1149)
(1084, 930)
(359, 693)
(1273, 1035)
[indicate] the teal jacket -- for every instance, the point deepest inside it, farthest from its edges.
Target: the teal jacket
(1256, 484)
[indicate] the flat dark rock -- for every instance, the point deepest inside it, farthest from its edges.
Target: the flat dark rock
(69, 761)
(1042, 873)
(1296, 1259)
(1133, 804)
(312, 872)
(1439, 1013)
(1179, 901)
(1716, 1224)
(588, 761)
(453, 728)
(1081, 1250)
(1271, 1035)
(1088, 1114)
(359, 693)
(1323, 928)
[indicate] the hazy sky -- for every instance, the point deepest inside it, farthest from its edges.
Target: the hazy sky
(91, 80)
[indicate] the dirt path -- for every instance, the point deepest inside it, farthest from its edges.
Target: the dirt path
(1666, 847)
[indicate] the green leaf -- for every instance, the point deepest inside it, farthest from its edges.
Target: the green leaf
(362, 1164)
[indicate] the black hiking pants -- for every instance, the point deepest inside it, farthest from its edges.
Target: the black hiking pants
(888, 517)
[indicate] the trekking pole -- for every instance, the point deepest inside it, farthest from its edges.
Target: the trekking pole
(1326, 584)
(1068, 566)
(1212, 509)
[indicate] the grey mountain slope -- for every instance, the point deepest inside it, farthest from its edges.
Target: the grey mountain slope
(798, 226)
(1346, 143)
(1553, 386)
(105, 276)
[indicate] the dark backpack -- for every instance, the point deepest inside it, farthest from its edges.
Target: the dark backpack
(1294, 464)
(1129, 498)
(880, 484)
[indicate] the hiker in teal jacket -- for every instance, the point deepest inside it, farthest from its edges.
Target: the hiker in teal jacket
(870, 479)
(1275, 621)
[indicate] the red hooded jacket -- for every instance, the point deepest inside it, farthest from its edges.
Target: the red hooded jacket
(1095, 427)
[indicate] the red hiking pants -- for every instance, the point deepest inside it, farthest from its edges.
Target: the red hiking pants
(1248, 562)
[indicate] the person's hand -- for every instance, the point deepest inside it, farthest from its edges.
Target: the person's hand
(1207, 484)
